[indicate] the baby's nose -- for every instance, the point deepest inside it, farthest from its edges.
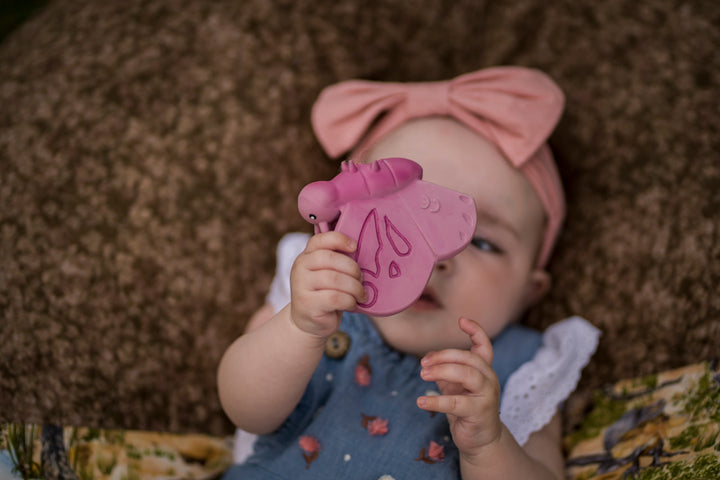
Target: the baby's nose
(444, 266)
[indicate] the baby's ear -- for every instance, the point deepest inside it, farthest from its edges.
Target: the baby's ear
(539, 282)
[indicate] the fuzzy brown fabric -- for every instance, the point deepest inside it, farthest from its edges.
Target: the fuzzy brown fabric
(150, 158)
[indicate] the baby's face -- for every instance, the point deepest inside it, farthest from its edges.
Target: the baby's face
(494, 279)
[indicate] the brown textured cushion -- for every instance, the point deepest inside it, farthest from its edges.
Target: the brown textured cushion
(150, 157)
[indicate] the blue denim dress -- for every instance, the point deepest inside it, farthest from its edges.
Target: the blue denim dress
(338, 411)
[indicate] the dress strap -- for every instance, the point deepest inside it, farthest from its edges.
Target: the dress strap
(514, 346)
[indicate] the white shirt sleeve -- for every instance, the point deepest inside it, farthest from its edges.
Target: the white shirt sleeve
(534, 392)
(290, 246)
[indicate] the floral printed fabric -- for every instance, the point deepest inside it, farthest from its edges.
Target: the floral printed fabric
(358, 420)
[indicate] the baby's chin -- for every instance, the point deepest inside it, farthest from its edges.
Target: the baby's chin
(419, 311)
(416, 333)
(397, 331)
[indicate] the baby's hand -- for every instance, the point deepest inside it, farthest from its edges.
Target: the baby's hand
(323, 283)
(470, 390)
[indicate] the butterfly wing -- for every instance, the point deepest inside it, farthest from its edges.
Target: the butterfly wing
(393, 255)
(445, 218)
(400, 237)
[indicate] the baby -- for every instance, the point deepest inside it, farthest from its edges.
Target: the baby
(451, 387)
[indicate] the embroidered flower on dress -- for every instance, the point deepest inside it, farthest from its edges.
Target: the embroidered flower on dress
(435, 453)
(363, 372)
(378, 427)
(311, 447)
(309, 444)
(374, 425)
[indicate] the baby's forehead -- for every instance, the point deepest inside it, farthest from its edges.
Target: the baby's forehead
(516, 201)
(457, 157)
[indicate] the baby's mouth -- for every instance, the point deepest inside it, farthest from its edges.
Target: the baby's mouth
(427, 301)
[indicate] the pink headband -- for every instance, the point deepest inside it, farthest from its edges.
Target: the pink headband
(515, 108)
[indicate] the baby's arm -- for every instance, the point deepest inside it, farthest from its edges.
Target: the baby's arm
(264, 373)
(470, 396)
(262, 315)
(540, 458)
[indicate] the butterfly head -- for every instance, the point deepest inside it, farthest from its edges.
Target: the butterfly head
(318, 203)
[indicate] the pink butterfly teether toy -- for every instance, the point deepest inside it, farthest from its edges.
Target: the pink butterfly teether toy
(402, 225)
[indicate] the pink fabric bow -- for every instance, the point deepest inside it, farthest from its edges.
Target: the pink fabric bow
(514, 107)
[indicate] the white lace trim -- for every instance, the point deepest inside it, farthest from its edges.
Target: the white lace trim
(534, 392)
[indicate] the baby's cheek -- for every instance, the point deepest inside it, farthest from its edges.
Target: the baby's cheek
(491, 311)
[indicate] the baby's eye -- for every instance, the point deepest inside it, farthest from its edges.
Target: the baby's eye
(483, 244)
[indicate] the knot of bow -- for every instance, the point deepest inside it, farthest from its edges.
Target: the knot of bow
(515, 108)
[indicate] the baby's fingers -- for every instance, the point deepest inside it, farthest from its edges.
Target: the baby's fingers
(481, 342)
(471, 379)
(331, 241)
(334, 281)
(452, 355)
(327, 252)
(335, 300)
(327, 261)
(458, 405)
